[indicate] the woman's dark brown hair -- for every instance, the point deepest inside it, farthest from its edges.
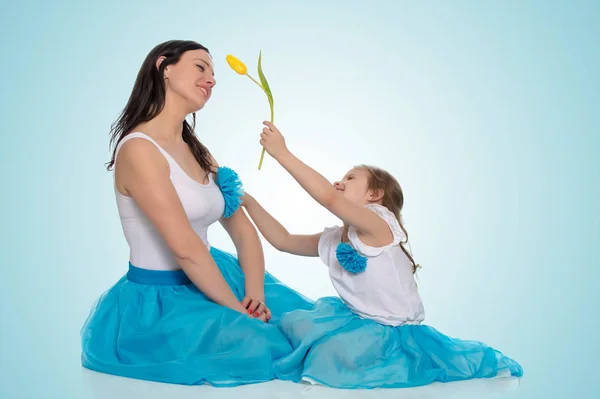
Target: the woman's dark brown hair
(147, 100)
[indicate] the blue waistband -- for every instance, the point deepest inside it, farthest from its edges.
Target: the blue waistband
(157, 277)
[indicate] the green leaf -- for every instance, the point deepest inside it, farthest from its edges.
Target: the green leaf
(265, 85)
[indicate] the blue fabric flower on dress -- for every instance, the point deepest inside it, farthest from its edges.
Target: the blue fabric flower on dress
(231, 188)
(350, 259)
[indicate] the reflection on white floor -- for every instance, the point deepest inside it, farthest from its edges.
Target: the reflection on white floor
(102, 386)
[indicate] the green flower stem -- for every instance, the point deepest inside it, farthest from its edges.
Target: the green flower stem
(267, 90)
(255, 81)
(262, 154)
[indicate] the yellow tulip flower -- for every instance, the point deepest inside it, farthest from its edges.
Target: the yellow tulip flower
(236, 64)
(239, 67)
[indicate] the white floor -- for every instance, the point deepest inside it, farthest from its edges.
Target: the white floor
(100, 386)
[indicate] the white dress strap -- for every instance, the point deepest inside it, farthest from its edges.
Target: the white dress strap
(141, 135)
(392, 222)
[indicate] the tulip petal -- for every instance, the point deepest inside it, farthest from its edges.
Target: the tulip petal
(235, 64)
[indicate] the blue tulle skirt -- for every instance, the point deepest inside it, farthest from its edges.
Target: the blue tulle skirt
(156, 325)
(335, 347)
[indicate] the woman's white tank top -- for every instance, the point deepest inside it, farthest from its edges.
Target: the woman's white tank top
(203, 203)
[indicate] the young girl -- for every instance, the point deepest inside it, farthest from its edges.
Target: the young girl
(372, 335)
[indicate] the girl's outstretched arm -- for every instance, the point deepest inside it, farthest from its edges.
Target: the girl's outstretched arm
(366, 221)
(276, 234)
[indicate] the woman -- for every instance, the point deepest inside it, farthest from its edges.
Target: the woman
(185, 312)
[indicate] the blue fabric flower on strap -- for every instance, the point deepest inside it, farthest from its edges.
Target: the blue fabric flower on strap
(231, 188)
(350, 259)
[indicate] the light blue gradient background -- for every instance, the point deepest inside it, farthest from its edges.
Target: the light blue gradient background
(487, 113)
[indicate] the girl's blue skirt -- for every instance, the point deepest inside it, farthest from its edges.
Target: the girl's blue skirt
(156, 325)
(333, 346)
